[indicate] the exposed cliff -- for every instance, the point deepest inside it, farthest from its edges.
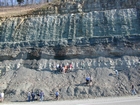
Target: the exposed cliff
(96, 22)
(20, 76)
(95, 33)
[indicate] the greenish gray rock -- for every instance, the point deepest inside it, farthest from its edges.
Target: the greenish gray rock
(96, 36)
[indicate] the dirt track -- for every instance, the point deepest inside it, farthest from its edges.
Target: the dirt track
(18, 10)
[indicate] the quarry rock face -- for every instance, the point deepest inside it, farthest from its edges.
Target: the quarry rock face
(103, 22)
(96, 36)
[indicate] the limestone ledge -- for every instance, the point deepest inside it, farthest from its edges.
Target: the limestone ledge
(121, 63)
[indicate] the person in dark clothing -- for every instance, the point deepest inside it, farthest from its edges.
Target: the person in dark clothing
(33, 96)
(38, 95)
(88, 80)
(57, 94)
(133, 90)
(60, 68)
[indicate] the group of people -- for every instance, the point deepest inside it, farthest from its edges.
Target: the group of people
(64, 68)
(32, 95)
(39, 96)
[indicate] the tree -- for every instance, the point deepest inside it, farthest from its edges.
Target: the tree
(12, 3)
(20, 1)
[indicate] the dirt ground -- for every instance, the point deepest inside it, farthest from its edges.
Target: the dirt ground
(131, 100)
(18, 10)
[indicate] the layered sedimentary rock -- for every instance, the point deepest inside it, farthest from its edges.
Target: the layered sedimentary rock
(95, 35)
(20, 76)
(101, 22)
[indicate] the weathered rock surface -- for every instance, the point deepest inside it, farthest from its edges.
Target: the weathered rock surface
(20, 76)
(97, 36)
(115, 27)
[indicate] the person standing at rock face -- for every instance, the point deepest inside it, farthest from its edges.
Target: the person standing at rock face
(33, 95)
(2, 96)
(29, 96)
(57, 67)
(133, 90)
(57, 94)
(41, 96)
(116, 71)
(70, 66)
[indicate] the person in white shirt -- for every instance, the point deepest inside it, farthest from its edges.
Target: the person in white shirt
(29, 96)
(116, 71)
(2, 96)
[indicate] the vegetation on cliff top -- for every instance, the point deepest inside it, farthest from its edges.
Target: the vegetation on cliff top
(26, 9)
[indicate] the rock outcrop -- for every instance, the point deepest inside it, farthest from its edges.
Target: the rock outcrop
(97, 36)
(103, 22)
(20, 76)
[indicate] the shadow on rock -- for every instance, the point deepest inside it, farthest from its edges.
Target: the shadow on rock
(138, 85)
(81, 84)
